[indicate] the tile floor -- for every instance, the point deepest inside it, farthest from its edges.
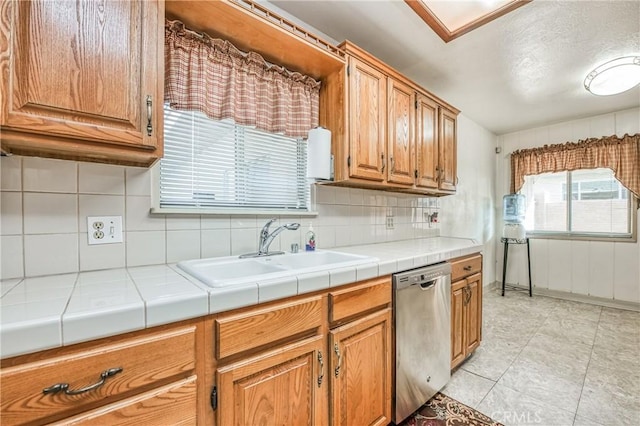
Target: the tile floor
(546, 361)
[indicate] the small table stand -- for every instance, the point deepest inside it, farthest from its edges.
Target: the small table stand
(506, 242)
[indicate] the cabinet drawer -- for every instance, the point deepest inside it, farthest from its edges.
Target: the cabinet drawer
(174, 404)
(465, 266)
(360, 298)
(258, 327)
(156, 358)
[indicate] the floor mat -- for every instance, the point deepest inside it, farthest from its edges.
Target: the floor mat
(444, 411)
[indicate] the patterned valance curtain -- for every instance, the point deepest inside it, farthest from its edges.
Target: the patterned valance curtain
(622, 155)
(212, 76)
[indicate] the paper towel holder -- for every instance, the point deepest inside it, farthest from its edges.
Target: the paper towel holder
(319, 158)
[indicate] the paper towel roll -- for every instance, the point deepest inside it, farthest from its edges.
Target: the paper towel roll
(319, 153)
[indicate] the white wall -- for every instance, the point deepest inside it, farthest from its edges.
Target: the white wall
(602, 269)
(470, 213)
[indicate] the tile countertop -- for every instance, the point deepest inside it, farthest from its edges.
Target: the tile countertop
(52, 311)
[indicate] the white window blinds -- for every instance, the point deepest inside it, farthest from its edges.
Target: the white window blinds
(219, 165)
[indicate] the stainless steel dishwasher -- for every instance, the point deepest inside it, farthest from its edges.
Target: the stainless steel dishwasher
(422, 318)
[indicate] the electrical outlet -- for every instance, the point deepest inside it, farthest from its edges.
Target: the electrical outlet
(390, 222)
(104, 229)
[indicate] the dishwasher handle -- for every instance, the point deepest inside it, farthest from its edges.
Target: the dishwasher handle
(428, 285)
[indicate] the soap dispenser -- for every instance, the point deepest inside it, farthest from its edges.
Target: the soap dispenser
(310, 239)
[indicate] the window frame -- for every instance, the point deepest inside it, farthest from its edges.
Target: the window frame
(633, 209)
(157, 208)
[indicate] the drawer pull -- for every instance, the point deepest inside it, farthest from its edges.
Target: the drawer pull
(60, 387)
(468, 268)
(337, 351)
(321, 361)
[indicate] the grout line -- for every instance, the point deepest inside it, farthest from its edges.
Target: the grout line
(514, 360)
(588, 364)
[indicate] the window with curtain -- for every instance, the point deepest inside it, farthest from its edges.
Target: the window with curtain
(583, 189)
(234, 128)
(589, 202)
(216, 164)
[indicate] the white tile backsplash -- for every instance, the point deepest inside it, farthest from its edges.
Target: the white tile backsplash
(215, 243)
(10, 213)
(178, 222)
(11, 252)
(244, 240)
(50, 254)
(183, 245)
(103, 256)
(146, 248)
(11, 173)
(45, 205)
(46, 213)
(46, 175)
(138, 216)
(99, 205)
(138, 181)
(100, 179)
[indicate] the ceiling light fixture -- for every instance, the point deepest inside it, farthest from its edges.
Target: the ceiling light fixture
(613, 77)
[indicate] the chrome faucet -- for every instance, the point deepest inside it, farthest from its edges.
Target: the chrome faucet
(267, 238)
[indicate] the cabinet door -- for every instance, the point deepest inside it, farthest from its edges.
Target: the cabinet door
(400, 139)
(361, 371)
(448, 150)
(82, 71)
(458, 322)
(367, 118)
(473, 309)
(280, 387)
(427, 143)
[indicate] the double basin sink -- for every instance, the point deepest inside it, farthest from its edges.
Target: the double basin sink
(226, 271)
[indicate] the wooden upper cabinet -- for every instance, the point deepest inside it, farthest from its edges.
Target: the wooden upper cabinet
(367, 118)
(448, 150)
(427, 143)
(400, 140)
(83, 80)
(387, 132)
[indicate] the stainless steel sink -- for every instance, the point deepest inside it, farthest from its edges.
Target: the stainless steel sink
(226, 271)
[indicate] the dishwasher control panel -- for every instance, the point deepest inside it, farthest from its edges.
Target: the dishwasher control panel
(421, 275)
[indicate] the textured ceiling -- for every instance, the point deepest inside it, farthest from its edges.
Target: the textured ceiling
(522, 70)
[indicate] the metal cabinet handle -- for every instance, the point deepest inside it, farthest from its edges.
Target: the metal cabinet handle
(393, 164)
(467, 268)
(149, 113)
(336, 349)
(467, 295)
(321, 361)
(64, 387)
(383, 165)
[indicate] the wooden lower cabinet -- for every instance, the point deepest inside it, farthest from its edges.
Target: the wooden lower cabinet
(473, 322)
(283, 386)
(174, 404)
(157, 381)
(466, 307)
(361, 371)
(328, 361)
(457, 322)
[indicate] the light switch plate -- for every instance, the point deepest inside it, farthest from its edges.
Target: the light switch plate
(104, 229)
